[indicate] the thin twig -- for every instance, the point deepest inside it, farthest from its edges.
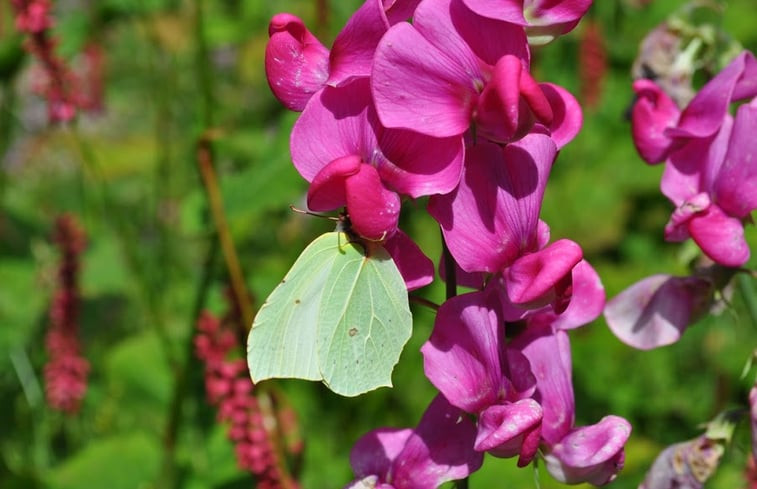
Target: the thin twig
(424, 302)
(213, 192)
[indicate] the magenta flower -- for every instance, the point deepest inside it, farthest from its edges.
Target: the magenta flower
(467, 360)
(351, 160)
(709, 173)
(491, 222)
(544, 19)
(657, 310)
(592, 453)
(438, 450)
(298, 65)
(452, 68)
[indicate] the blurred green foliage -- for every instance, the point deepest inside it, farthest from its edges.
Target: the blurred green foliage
(130, 173)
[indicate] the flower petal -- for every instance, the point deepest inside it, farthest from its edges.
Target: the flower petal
(416, 165)
(548, 352)
(591, 454)
(720, 236)
(440, 450)
(693, 168)
(567, 117)
(511, 429)
(334, 124)
(544, 277)
(736, 185)
(327, 190)
(656, 310)
(373, 210)
(375, 451)
(705, 113)
(507, 10)
(418, 87)
(416, 268)
(493, 215)
(462, 358)
(296, 63)
(588, 299)
(353, 49)
(652, 113)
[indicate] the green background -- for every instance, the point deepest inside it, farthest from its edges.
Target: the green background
(130, 174)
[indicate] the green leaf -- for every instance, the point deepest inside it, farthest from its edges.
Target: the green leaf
(119, 462)
(340, 315)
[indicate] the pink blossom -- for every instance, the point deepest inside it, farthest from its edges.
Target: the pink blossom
(66, 369)
(710, 172)
(453, 68)
(544, 19)
(438, 450)
(592, 453)
(466, 358)
(657, 310)
(491, 222)
(351, 160)
(298, 65)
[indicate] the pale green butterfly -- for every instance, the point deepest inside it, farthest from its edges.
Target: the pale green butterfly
(341, 315)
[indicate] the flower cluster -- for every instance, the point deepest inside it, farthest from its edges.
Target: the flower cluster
(66, 369)
(445, 106)
(228, 387)
(58, 83)
(710, 176)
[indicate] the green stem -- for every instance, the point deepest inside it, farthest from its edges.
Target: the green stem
(746, 287)
(183, 373)
(450, 271)
(213, 193)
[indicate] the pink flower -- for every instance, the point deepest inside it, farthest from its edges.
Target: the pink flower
(466, 358)
(298, 65)
(491, 222)
(438, 450)
(592, 453)
(710, 174)
(66, 369)
(544, 19)
(453, 68)
(657, 310)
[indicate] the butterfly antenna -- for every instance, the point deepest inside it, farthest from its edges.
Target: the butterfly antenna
(301, 211)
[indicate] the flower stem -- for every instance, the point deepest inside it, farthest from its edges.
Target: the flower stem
(746, 287)
(450, 271)
(212, 190)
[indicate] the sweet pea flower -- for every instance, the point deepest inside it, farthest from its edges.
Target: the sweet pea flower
(543, 19)
(573, 455)
(438, 450)
(710, 173)
(466, 358)
(453, 68)
(655, 311)
(297, 64)
(350, 159)
(491, 222)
